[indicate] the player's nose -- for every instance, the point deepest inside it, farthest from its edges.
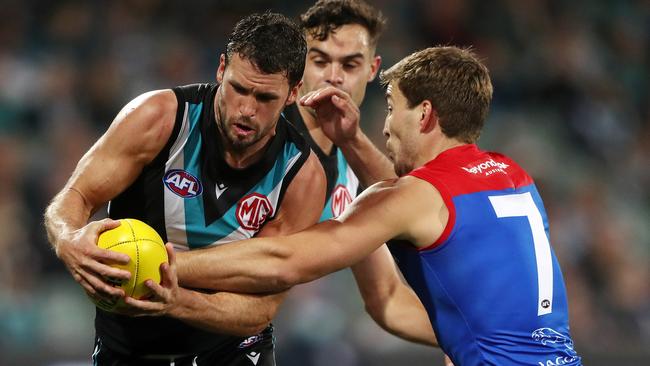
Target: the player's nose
(335, 74)
(248, 107)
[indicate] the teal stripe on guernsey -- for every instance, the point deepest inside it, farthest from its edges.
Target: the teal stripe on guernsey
(342, 178)
(201, 235)
(194, 210)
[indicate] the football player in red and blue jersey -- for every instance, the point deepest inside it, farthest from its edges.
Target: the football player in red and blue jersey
(467, 227)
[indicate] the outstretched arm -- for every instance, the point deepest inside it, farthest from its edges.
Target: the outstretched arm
(408, 209)
(339, 118)
(390, 301)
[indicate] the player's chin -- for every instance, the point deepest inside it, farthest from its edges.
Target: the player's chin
(242, 143)
(401, 169)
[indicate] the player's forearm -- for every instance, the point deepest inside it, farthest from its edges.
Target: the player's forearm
(389, 301)
(227, 313)
(367, 162)
(409, 320)
(404, 316)
(272, 264)
(66, 213)
(249, 267)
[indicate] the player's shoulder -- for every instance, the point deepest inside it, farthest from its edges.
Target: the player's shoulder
(404, 188)
(293, 133)
(516, 172)
(156, 104)
(194, 93)
(312, 163)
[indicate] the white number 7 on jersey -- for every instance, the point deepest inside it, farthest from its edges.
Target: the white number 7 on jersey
(513, 205)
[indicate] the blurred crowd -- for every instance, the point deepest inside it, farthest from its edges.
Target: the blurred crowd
(571, 104)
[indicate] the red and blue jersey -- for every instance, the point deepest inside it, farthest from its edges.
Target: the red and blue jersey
(491, 283)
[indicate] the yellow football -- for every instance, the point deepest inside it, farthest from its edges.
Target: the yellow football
(147, 251)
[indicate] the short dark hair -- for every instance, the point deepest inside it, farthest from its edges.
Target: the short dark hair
(272, 42)
(327, 15)
(456, 83)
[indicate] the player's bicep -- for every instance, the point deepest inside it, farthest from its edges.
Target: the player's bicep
(303, 201)
(134, 138)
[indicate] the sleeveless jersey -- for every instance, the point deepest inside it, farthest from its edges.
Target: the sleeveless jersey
(194, 199)
(491, 283)
(342, 184)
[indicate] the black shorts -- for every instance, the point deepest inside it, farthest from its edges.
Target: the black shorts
(257, 350)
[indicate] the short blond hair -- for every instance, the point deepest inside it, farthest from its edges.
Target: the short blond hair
(456, 83)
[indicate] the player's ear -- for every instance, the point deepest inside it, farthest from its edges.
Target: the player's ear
(221, 69)
(428, 117)
(374, 68)
(293, 93)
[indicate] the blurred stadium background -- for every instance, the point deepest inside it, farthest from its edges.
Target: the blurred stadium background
(571, 103)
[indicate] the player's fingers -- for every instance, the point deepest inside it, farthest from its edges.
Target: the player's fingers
(344, 104)
(99, 297)
(148, 307)
(318, 96)
(100, 286)
(107, 271)
(322, 95)
(168, 270)
(85, 285)
(104, 255)
(171, 254)
(109, 256)
(167, 278)
(158, 290)
(308, 99)
(305, 98)
(97, 227)
(106, 224)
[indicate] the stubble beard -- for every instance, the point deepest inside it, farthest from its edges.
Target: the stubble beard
(231, 139)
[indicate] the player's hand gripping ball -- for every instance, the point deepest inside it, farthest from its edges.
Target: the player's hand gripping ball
(147, 251)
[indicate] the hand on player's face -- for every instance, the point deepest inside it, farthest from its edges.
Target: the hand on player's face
(164, 296)
(345, 59)
(89, 264)
(336, 113)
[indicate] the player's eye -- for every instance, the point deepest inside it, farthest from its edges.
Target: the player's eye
(265, 98)
(238, 89)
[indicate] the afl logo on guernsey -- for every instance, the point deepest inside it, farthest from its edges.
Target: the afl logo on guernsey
(253, 210)
(183, 183)
(341, 198)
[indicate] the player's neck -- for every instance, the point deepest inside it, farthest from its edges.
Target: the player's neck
(316, 132)
(438, 147)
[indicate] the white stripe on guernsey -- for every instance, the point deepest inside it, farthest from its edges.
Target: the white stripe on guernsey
(175, 207)
(291, 163)
(181, 139)
(96, 351)
(240, 233)
(353, 182)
